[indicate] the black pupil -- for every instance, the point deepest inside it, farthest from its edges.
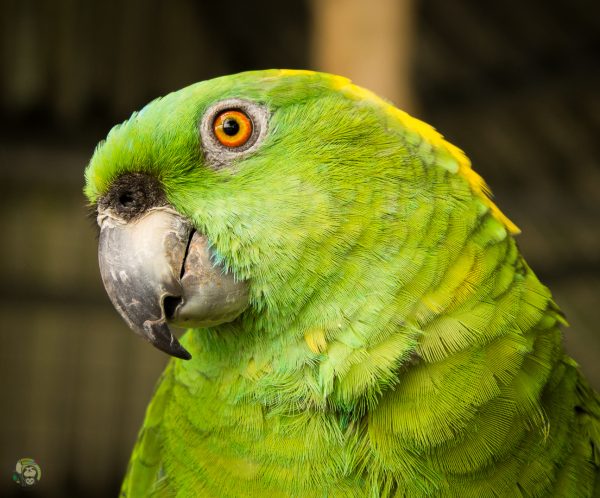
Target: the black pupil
(231, 127)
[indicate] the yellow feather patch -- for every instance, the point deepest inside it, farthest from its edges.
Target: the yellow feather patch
(315, 340)
(429, 134)
(297, 72)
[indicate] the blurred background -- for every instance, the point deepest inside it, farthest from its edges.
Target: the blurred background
(514, 83)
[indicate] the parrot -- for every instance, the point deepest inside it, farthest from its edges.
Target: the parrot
(359, 320)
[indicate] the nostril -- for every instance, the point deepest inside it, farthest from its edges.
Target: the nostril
(132, 194)
(170, 304)
(126, 199)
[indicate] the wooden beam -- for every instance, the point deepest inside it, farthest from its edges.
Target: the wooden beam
(368, 41)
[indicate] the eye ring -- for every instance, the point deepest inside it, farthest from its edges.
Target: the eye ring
(219, 148)
(232, 128)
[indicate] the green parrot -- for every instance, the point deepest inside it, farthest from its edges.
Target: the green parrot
(360, 320)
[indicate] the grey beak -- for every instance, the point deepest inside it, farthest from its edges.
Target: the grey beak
(152, 282)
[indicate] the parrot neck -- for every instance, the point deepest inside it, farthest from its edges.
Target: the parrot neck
(435, 296)
(457, 369)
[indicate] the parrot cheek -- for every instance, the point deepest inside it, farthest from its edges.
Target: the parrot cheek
(158, 272)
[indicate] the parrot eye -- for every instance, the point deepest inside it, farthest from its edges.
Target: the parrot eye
(231, 129)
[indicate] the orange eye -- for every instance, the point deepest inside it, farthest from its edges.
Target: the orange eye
(232, 128)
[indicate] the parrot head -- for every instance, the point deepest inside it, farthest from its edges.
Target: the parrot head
(278, 199)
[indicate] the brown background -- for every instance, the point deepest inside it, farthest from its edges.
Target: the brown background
(514, 83)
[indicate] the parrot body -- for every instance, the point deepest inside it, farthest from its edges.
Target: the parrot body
(395, 344)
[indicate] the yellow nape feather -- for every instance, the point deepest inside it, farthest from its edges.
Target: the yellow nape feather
(432, 136)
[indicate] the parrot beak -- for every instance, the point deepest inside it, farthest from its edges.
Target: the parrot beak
(158, 271)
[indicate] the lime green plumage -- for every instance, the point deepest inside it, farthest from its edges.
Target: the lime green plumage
(397, 344)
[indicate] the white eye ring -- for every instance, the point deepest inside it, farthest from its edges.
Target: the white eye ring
(218, 155)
